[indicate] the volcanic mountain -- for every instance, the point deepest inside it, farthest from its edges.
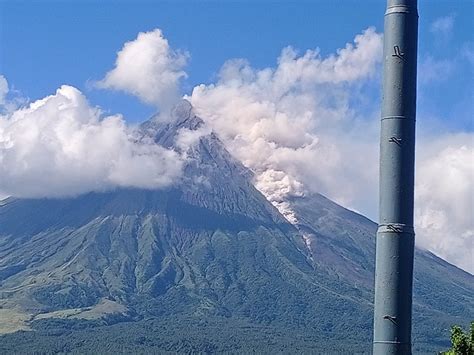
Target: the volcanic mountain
(206, 265)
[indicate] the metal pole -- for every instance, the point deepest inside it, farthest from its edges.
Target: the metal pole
(395, 235)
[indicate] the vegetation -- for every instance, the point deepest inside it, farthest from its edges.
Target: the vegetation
(173, 334)
(187, 334)
(462, 343)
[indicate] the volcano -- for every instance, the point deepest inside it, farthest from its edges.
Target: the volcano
(207, 265)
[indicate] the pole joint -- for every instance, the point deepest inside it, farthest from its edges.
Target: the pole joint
(398, 228)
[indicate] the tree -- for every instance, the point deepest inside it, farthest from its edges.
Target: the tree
(462, 343)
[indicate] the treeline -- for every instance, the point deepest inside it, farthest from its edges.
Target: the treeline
(170, 335)
(184, 334)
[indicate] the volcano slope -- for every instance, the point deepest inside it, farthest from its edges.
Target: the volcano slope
(208, 265)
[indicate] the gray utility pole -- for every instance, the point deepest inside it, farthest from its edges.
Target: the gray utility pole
(395, 235)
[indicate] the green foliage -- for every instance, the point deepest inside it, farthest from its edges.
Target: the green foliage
(171, 334)
(179, 334)
(462, 343)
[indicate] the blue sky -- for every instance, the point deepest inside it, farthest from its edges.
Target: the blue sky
(48, 43)
(303, 121)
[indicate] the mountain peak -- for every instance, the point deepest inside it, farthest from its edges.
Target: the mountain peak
(163, 132)
(182, 111)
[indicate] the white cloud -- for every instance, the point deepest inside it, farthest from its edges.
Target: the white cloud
(187, 139)
(277, 186)
(467, 52)
(3, 89)
(443, 25)
(60, 146)
(10, 99)
(445, 198)
(148, 68)
(435, 70)
(293, 124)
